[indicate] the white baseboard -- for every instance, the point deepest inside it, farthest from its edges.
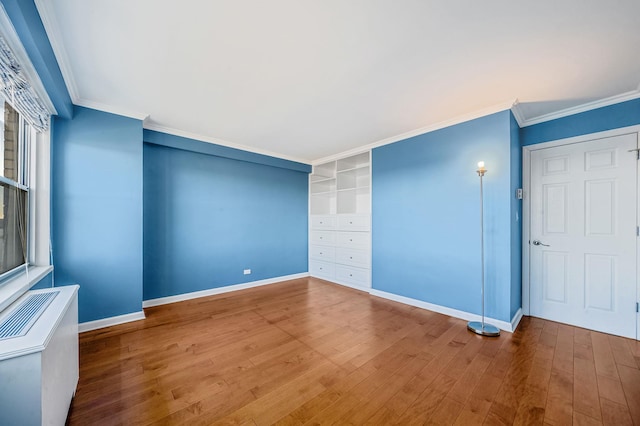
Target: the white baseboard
(516, 319)
(219, 290)
(108, 322)
(502, 325)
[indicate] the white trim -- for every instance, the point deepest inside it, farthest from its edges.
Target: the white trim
(503, 106)
(616, 99)
(13, 40)
(51, 26)
(222, 142)
(41, 186)
(637, 244)
(526, 227)
(111, 109)
(108, 322)
(516, 109)
(18, 285)
(503, 325)
(219, 290)
(516, 320)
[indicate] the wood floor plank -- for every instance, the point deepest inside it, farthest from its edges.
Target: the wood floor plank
(585, 389)
(630, 378)
(559, 407)
(310, 352)
(622, 352)
(505, 406)
(604, 361)
(614, 414)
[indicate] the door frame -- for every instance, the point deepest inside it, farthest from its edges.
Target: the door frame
(526, 207)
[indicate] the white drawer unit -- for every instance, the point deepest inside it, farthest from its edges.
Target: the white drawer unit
(321, 269)
(323, 237)
(353, 276)
(356, 240)
(323, 222)
(352, 257)
(340, 221)
(326, 253)
(354, 222)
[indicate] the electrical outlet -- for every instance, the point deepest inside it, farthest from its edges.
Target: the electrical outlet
(247, 271)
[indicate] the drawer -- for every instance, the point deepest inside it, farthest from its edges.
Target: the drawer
(323, 222)
(352, 257)
(321, 269)
(354, 222)
(322, 253)
(356, 240)
(322, 237)
(357, 276)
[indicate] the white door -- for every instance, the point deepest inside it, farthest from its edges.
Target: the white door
(583, 234)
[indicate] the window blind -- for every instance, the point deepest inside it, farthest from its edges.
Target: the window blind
(19, 92)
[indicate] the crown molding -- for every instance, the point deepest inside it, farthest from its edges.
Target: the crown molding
(422, 130)
(516, 109)
(616, 99)
(51, 26)
(13, 40)
(111, 109)
(202, 138)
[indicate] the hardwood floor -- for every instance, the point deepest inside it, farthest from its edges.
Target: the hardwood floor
(311, 352)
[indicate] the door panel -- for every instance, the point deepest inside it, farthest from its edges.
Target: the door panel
(554, 273)
(583, 208)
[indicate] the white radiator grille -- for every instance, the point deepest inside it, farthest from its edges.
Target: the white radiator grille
(18, 322)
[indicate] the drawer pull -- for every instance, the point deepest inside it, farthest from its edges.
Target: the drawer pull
(350, 257)
(350, 223)
(350, 239)
(321, 222)
(321, 253)
(350, 275)
(321, 237)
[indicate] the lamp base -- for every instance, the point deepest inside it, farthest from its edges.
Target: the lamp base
(487, 330)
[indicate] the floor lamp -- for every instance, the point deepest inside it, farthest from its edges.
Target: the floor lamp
(479, 327)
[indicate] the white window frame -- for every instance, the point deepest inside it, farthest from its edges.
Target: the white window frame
(38, 257)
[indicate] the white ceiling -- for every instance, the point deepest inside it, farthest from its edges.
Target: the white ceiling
(309, 79)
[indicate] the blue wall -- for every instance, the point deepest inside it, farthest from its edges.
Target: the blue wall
(97, 211)
(425, 220)
(45, 282)
(598, 120)
(206, 218)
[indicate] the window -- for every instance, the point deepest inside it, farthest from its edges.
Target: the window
(15, 143)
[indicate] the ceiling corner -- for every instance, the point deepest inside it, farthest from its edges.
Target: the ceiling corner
(150, 125)
(588, 106)
(516, 109)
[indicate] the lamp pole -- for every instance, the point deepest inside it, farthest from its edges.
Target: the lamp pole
(475, 326)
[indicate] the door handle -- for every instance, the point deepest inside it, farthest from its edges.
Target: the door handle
(538, 243)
